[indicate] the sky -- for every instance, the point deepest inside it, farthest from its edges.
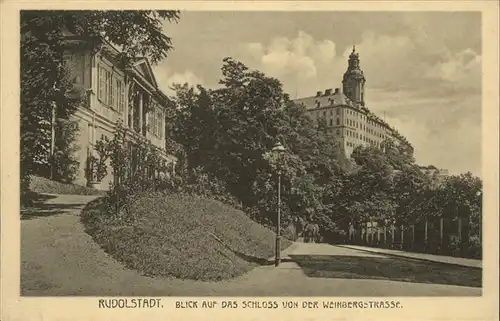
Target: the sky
(422, 69)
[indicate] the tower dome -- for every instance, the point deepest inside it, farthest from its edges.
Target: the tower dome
(354, 80)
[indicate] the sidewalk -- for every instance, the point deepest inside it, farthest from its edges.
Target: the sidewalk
(420, 256)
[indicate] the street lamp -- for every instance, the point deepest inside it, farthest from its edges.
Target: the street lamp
(53, 106)
(480, 227)
(278, 150)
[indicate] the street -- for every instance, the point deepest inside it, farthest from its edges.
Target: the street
(59, 259)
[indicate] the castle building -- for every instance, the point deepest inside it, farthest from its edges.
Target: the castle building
(116, 93)
(346, 114)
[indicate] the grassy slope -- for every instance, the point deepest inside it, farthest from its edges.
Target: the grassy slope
(42, 185)
(182, 236)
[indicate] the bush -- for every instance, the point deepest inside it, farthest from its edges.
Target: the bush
(202, 184)
(475, 250)
(25, 188)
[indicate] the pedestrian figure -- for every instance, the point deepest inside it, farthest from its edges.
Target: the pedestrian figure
(311, 233)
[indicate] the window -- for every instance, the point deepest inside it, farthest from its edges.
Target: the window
(338, 111)
(155, 121)
(160, 128)
(338, 132)
(338, 121)
(331, 122)
(111, 90)
(151, 122)
(120, 89)
(103, 75)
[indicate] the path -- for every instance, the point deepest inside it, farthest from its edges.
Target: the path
(421, 256)
(60, 259)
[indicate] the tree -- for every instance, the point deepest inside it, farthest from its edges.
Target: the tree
(248, 110)
(195, 125)
(230, 131)
(411, 189)
(46, 83)
(65, 162)
(46, 89)
(135, 32)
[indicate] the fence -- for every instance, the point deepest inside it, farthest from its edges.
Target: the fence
(445, 236)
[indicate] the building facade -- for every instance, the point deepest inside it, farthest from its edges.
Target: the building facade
(437, 175)
(129, 95)
(346, 114)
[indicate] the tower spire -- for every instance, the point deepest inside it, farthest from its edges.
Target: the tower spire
(354, 80)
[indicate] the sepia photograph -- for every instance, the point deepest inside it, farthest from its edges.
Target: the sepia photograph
(183, 153)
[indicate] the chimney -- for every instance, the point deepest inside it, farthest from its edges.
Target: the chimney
(318, 93)
(328, 92)
(337, 90)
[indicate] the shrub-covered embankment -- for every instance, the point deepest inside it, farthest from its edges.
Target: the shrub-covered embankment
(181, 236)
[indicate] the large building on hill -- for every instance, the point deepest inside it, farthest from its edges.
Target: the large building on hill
(116, 93)
(347, 115)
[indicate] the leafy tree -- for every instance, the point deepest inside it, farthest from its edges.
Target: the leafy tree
(230, 131)
(411, 188)
(65, 162)
(45, 89)
(248, 110)
(195, 125)
(135, 32)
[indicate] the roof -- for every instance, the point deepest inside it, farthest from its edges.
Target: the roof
(140, 67)
(143, 67)
(335, 99)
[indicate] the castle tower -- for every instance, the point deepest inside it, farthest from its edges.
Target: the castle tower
(354, 80)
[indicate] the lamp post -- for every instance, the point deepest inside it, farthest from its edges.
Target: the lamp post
(53, 107)
(278, 150)
(480, 227)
